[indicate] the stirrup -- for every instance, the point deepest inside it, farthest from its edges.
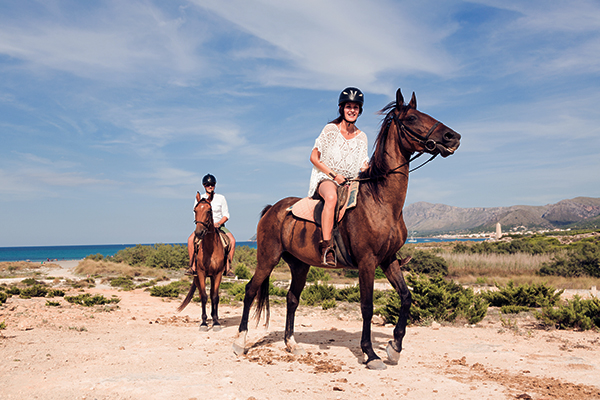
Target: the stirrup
(327, 249)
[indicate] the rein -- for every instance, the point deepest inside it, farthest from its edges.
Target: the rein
(403, 132)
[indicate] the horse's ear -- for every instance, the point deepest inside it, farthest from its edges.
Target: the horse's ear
(413, 101)
(399, 98)
(197, 196)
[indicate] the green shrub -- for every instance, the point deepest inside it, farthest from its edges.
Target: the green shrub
(3, 297)
(13, 290)
(56, 293)
(349, 294)
(315, 294)
(125, 282)
(168, 256)
(513, 309)
(425, 262)
(523, 295)
(235, 289)
(133, 255)
(242, 272)
(536, 244)
(316, 274)
(52, 303)
(172, 289)
(576, 313)
(582, 259)
(31, 282)
(2, 325)
(437, 299)
(33, 291)
(327, 304)
(95, 257)
(88, 300)
(245, 255)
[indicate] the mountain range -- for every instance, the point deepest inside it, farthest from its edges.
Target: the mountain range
(428, 219)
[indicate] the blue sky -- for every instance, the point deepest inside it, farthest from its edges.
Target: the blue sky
(111, 112)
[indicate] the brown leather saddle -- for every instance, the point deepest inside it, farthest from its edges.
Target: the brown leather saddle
(310, 209)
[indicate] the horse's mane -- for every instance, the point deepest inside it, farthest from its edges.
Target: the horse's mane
(376, 173)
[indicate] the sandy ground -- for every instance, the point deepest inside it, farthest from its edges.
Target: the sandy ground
(145, 350)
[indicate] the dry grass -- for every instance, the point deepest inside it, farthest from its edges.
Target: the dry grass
(18, 268)
(108, 268)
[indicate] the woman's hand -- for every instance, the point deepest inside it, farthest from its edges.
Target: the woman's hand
(340, 179)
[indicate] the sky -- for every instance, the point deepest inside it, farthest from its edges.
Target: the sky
(111, 112)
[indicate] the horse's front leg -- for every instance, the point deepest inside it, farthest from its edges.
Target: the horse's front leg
(299, 272)
(215, 282)
(396, 278)
(366, 280)
(204, 299)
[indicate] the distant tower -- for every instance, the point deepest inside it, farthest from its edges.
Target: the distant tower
(498, 231)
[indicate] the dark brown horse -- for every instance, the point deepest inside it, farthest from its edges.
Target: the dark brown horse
(210, 260)
(373, 231)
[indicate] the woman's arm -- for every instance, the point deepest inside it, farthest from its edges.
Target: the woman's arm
(315, 158)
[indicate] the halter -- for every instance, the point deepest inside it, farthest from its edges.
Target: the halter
(205, 224)
(403, 132)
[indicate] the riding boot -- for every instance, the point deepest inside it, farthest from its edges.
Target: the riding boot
(327, 253)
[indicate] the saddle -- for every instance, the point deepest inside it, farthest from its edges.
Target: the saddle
(310, 209)
(224, 239)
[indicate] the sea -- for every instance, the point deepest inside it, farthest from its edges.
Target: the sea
(78, 252)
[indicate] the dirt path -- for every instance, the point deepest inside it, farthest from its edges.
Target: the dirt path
(145, 350)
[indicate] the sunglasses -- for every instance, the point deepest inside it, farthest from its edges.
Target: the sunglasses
(209, 185)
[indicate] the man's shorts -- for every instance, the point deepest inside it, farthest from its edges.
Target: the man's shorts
(223, 229)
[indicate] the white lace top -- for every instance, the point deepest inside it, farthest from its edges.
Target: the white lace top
(343, 156)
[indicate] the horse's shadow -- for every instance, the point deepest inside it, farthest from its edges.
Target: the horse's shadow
(326, 339)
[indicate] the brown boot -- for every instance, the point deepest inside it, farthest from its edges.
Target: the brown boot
(327, 253)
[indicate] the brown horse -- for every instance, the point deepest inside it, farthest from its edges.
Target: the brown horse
(210, 259)
(372, 232)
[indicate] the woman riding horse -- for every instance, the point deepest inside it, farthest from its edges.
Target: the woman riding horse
(339, 154)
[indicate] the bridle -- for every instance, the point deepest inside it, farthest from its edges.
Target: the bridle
(205, 224)
(405, 132)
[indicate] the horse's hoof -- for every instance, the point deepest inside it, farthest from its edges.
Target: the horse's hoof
(376, 364)
(239, 344)
(393, 355)
(216, 328)
(297, 350)
(237, 349)
(203, 328)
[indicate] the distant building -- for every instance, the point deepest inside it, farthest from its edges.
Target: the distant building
(498, 231)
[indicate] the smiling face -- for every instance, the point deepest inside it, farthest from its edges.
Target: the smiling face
(351, 111)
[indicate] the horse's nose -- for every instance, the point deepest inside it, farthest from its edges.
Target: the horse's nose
(451, 135)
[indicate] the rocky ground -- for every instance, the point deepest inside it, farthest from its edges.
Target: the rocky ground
(143, 349)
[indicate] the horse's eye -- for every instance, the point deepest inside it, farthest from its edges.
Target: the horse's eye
(411, 118)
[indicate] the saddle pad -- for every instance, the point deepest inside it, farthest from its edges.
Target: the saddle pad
(304, 208)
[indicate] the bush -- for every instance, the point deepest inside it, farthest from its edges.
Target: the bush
(437, 299)
(3, 297)
(315, 294)
(576, 313)
(242, 272)
(536, 244)
(522, 295)
(95, 257)
(13, 290)
(168, 256)
(513, 309)
(350, 294)
(424, 262)
(88, 300)
(172, 289)
(316, 274)
(125, 282)
(56, 293)
(33, 291)
(582, 259)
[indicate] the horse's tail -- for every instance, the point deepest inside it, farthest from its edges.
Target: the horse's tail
(262, 302)
(189, 296)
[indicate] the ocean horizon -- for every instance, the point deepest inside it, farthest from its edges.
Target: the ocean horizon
(79, 252)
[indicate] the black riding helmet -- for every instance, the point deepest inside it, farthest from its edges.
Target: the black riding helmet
(209, 180)
(354, 95)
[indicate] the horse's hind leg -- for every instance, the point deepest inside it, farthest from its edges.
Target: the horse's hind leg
(396, 278)
(266, 261)
(299, 272)
(215, 282)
